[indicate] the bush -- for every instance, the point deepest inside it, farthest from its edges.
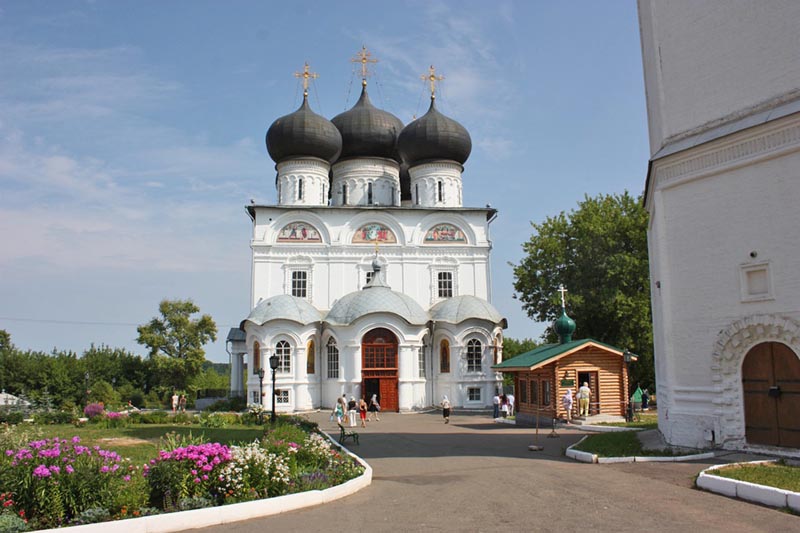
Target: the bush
(114, 419)
(55, 480)
(154, 417)
(11, 418)
(183, 418)
(53, 417)
(93, 410)
(218, 420)
(10, 523)
(230, 404)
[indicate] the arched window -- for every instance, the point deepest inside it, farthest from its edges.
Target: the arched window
(441, 191)
(300, 189)
(369, 193)
(256, 357)
(444, 356)
(311, 356)
(284, 352)
(474, 352)
(333, 359)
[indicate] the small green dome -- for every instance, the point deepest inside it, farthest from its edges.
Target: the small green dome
(564, 327)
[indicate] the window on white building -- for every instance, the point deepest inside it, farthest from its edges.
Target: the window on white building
(300, 283)
(421, 362)
(300, 189)
(441, 191)
(344, 194)
(369, 193)
(370, 275)
(474, 352)
(444, 284)
(254, 397)
(284, 353)
(416, 194)
(282, 396)
(474, 394)
(333, 359)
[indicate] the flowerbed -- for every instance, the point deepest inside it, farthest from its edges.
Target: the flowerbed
(55, 482)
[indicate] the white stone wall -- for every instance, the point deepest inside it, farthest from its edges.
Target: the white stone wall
(436, 184)
(709, 60)
(337, 267)
(717, 212)
(312, 173)
(358, 174)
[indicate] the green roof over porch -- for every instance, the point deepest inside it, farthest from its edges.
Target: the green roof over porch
(547, 353)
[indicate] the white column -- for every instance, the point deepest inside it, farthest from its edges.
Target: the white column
(405, 375)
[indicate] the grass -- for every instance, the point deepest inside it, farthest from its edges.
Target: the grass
(647, 421)
(618, 444)
(778, 475)
(140, 442)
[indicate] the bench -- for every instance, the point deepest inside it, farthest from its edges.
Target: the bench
(344, 435)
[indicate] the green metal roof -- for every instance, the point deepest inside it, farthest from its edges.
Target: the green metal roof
(546, 352)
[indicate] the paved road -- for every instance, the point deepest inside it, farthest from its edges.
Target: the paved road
(475, 475)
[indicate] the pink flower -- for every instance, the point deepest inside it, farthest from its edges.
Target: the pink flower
(69, 469)
(197, 480)
(41, 471)
(104, 469)
(127, 478)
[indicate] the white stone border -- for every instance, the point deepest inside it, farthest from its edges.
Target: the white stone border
(748, 491)
(235, 512)
(586, 457)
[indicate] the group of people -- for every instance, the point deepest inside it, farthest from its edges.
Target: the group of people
(178, 403)
(350, 410)
(568, 401)
(502, 404)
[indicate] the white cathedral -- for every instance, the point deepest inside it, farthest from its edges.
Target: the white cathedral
(369, 276)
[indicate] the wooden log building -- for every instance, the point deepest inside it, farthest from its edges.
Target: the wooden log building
(543, 375)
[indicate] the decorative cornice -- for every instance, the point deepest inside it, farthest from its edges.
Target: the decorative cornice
(727, 153)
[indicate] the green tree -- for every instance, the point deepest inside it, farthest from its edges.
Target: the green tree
(513, 347)
(176, 341)
(599, 253)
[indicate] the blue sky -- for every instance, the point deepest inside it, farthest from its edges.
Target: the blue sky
(132, 136)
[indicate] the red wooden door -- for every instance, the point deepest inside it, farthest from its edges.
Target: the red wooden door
(379, 362)
(771, 388)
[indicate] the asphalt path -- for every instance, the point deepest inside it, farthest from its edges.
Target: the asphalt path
(477, 475)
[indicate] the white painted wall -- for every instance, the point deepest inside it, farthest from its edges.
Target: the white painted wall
(706, 61)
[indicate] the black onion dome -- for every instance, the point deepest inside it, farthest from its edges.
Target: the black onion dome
(368, 131)
(303, 134)
(434, 136)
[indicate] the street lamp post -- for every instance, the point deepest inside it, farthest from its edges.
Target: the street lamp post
(273, 364)
(628, 357)
(261, 395)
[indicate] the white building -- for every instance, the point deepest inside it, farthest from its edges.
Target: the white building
(723, 189)
(369, 276)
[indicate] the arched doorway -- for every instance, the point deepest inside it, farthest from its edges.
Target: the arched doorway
(771, 389)
(379, 367)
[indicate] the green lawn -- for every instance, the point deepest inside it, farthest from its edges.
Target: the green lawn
(140, 442)
(618, 444)
(648, 420)
(778, 475)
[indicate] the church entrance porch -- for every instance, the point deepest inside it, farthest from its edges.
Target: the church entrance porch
(379, 368)
(771, 389)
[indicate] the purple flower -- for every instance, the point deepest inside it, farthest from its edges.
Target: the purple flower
(55, 469)
(104, 469)
(76, 440)
(127, 478)
(41, 471)
(69, 469)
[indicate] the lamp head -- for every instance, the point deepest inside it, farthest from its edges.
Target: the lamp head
(273, 362)
(261, 373)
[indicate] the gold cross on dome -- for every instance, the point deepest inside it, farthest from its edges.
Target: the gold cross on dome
(562, 290)
(363, 57)
(306, 75)
(432, 78)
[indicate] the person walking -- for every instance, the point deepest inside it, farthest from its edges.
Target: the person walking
(511, 406)
(351, 411)
(362, 411)
(374, 407)
(496, 405)
(174, 402)
(182, 403)
(567, 402)
(584, 395)
(504, 405)
(446, 409)
(338, 411)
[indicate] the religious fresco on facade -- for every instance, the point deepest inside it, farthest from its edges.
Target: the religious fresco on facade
(445, 234)
(299, 232)
(370, 233)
